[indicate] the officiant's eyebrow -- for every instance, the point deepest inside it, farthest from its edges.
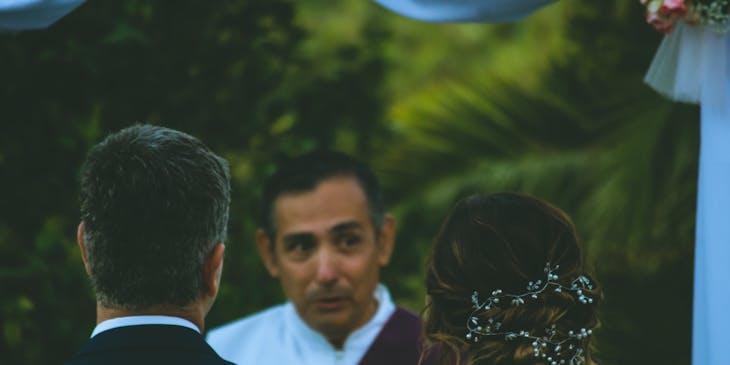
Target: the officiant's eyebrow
(298, 237)
(304, 237)
(346, 226)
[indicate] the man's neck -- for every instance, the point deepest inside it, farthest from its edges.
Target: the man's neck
(337, 339)
(193, 314)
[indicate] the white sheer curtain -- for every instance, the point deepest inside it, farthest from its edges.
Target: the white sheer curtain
(693, 65)
(33, 14)
(482, 11)
(712, 254)
(689, 65)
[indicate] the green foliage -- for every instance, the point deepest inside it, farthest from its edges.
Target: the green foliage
(552, 106)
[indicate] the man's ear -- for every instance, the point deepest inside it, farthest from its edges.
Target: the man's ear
(386, 240)
(82, 246)
(266, 251)
(213, 269)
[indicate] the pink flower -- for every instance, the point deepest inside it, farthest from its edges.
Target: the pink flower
(662, 23)
(675, 8)
(673, 4)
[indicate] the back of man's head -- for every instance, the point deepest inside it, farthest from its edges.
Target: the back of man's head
(305, 172)
(154, 203)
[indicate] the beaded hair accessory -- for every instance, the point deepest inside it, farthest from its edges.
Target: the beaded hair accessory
(554, 347)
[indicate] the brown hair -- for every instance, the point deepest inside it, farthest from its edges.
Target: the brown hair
(503, 241)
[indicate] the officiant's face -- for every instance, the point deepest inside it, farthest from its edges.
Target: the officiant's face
(328, 255)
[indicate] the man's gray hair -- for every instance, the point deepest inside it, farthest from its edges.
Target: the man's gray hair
(154, 202)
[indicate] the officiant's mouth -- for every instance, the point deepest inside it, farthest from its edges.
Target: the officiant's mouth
(330, 304)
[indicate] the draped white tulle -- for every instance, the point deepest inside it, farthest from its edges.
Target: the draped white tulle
(689, 65)
(712, 254)
(33, 14)
(692, 65)
(482, 11)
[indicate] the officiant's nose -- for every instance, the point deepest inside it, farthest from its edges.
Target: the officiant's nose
(327, 272)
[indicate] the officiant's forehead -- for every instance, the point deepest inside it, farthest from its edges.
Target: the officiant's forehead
(304, 174)
(334, 203)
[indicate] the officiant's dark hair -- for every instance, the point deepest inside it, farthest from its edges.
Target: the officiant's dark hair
(305, 172)
(154, 203)
(503, 241)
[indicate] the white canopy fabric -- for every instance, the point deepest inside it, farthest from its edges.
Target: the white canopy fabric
(711, 318)
(478, 11)
(693, 65)
(33, 14)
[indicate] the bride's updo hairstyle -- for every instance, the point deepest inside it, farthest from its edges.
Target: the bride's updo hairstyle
(498, 247)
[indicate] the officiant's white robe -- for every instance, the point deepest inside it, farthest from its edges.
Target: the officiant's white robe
(278, 336)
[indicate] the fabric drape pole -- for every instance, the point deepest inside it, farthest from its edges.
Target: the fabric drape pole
(711, 318)
(693, 65)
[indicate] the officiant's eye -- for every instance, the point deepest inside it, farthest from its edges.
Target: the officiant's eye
(299, 245)
(348, 240)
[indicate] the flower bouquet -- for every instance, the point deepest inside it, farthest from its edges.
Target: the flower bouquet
(664, 14)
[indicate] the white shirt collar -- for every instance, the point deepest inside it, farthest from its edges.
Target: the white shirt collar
(357, 342)
(279, 336)
(141, 320)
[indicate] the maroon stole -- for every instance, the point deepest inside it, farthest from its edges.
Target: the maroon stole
(398, 343)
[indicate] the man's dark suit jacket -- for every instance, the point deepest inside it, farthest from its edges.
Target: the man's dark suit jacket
(147, 344)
